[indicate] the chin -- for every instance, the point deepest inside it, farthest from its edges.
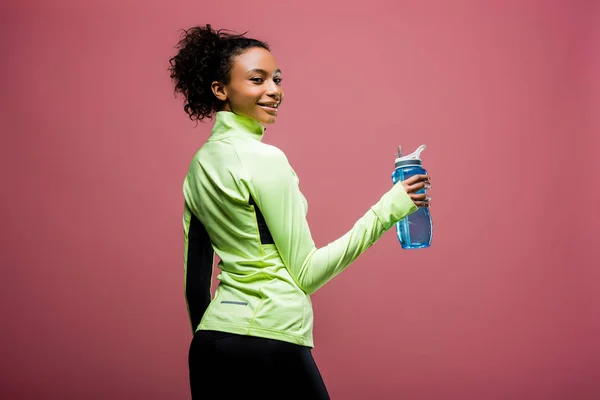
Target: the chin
(268, 121)
(266, 118)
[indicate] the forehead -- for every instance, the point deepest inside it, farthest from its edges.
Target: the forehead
(254, 58)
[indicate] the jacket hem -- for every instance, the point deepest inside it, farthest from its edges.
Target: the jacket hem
(259, 332)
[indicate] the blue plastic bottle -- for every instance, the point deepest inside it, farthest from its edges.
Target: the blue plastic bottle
(414, 231)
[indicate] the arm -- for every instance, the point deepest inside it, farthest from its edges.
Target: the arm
(275, 189)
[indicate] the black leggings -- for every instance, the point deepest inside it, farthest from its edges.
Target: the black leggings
(229, 366)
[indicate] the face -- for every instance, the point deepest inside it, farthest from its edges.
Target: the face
(254, 88)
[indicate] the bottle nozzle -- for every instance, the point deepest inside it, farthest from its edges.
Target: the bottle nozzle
(419, 150)
(416, 155)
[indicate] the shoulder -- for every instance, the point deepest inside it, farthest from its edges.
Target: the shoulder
(255, 153)
(264, 163)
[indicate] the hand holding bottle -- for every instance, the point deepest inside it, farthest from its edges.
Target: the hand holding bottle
(414, 185)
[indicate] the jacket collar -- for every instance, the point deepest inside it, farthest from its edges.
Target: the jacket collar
(228, 124)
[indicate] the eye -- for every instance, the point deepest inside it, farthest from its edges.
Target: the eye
(277, 80)
(257, 80)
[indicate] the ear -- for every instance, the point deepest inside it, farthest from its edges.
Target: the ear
(219, 90)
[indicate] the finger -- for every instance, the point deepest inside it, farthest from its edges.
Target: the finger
(422, 204)
(419, 197)
(416, 187)
(416, 178)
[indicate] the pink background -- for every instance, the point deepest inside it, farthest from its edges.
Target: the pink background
(506, 94)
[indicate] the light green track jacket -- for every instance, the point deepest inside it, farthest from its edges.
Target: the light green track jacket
(243, 202)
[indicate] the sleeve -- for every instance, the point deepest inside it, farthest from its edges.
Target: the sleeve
(277, 194)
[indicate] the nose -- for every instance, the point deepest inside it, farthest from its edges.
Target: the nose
(273, 89)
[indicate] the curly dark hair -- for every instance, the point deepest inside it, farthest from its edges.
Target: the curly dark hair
(204, 56)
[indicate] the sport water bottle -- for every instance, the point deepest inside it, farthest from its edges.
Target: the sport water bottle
(414, 231)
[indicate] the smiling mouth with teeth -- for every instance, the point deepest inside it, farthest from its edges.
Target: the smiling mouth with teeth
(269, 105)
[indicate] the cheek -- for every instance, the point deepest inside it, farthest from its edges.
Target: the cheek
(255, 93)
(244, 97)
(247, 95)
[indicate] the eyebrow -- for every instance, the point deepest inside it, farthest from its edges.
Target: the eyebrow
(262, 71)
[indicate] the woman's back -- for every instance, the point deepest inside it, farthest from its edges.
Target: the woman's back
(256, 295)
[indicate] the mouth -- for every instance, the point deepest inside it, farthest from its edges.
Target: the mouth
(271, 106)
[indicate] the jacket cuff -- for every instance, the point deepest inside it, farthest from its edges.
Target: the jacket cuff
(393, 206)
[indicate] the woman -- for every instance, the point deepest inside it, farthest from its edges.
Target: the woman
(242, 201)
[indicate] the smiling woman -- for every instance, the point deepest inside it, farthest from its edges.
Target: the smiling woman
(253, 340)
(254, 87)
(221, 71)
